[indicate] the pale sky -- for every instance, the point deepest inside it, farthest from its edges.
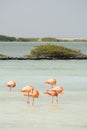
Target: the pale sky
(44, 18)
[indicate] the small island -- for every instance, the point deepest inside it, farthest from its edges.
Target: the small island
(48, 52)
(52, 51)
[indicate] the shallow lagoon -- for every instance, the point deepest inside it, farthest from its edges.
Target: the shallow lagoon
(71, 111)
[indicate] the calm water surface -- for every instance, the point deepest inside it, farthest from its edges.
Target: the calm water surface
(71, 111)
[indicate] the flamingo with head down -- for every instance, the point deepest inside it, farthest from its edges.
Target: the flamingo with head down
(34, 94)
(51, 82)
(55, 92)
(11, 84)
(29, 89)
(51, 93)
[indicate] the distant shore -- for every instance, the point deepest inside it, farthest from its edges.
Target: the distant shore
(4, 38)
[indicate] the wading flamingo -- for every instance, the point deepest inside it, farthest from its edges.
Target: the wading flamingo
(34, 95)
(51, 82)
(55, 92)
(59, 90)
(11, 84)
(52, 93)
(29, 89)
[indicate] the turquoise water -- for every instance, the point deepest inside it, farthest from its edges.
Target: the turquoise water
(71, 111)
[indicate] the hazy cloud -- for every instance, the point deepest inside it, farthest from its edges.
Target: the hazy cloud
(43, 18)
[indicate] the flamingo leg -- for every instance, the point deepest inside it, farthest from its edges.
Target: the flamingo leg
(28, 99)
(51, 86)
(33, 102)
(57, 99)
(10, 89)
(52, 99)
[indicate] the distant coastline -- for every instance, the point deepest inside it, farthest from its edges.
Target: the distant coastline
(4, 38)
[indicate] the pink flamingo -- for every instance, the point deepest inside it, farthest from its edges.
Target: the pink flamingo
(55, 92)
(11, 84)
(29, 89)
(34, 94)
(52, 93)
(59, 89)
(51, 82)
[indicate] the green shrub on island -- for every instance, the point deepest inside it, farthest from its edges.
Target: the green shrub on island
(52, 51)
